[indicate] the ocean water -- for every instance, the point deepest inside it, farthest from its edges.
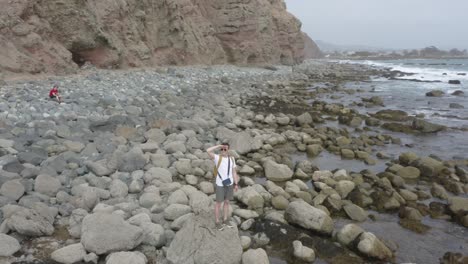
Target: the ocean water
(404, 93)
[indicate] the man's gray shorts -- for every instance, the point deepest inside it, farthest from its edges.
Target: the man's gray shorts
(224, 193)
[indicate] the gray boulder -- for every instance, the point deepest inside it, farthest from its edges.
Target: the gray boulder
(277, 172)
(12, 189)
(47, 185)
(103, 233)
(255, 256)
(308, 217)
(244, 143)
(132, 161)
(69, 254)
(8, 245)
(126, 257)
(30, 223)
(174, 211)
(200, 242)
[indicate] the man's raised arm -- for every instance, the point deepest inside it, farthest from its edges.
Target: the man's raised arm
(211, 149)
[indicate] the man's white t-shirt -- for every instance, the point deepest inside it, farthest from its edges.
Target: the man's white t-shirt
(223, 169)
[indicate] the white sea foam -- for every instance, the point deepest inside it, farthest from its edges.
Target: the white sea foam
(423, 72)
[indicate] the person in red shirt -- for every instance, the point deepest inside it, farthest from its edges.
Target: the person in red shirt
(54, 93)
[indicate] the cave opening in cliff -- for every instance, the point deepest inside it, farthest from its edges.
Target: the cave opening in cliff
(78, 58)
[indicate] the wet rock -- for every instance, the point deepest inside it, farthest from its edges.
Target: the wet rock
(392, 115)
(355, 212)
(304, 119)
(8, 245)
(414, 225)
(458, 204)
(348, 234)
(347, 153)
(409, 172)
(255, 256)
(371, 246)
(456, 106)
(314, 150)
(302, 252)
(277, 172)
(435, 93)
(279, 202)
(439, 191)
(426, 127)
(69, 254)
(251, 198)
(407, 157)
(125, 257)
(453, 258)
(98, 234)
(410, 214)
(428, 166)
(458, 93)
(200, 242)
(308, 217)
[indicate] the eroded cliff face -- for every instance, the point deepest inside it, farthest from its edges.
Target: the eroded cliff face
(60, 35)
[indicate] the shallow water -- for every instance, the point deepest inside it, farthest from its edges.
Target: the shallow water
(427, 248)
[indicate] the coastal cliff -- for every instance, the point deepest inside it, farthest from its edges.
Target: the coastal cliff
(58, 36)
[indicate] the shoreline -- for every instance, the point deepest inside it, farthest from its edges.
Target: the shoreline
(116, 123)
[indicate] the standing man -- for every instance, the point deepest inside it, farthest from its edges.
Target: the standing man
(226, 181)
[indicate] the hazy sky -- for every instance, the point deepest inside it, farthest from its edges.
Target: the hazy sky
(385, 23)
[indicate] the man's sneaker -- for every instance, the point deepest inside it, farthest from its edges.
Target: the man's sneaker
(228, 223)
(219, 226)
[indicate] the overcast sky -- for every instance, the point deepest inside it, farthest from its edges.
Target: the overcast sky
(385, 23)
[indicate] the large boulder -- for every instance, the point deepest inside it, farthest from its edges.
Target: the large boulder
(200, 242)
(308, 217)
(457, 204)
(69, 254)
(103, 233)
(125, 257)
(277, 172)
(29, 222)
(428, 166)
(255, 256)
(244, 143)
(8, 245)
(250, 197)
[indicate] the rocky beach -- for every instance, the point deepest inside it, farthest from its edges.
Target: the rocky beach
(118, 173)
